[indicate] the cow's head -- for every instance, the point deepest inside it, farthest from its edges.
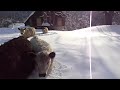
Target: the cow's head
(44, 62)
(22, 30)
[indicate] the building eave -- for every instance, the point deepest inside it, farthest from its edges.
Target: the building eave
(29, 16)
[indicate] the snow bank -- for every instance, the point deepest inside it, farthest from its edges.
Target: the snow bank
(16, 25)
(72, 52)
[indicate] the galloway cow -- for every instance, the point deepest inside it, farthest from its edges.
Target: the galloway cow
(16, 59)
(44, 56)
(27, 31)
(45, 30)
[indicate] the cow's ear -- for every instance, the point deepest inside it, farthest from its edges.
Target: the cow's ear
(18, 28)
(31, 54)
(52, 55)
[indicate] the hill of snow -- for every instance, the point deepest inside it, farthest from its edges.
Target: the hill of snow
(16, 25)
(74, 49)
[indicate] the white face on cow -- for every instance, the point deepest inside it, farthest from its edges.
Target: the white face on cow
(43, 61)
(22, 30)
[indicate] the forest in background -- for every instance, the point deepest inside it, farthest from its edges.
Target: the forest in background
(74, 19)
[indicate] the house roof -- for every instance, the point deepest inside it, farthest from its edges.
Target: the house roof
(56, 13)
(29, 16)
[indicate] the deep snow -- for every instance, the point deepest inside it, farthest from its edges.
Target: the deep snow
(73, 52)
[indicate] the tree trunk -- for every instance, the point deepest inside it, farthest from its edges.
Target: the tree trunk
(108, 17)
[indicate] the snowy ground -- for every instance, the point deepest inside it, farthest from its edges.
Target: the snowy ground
(74, 50)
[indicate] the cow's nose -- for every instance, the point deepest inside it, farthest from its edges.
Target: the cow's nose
(42, 75)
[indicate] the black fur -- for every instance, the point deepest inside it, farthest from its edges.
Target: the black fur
(16, 59)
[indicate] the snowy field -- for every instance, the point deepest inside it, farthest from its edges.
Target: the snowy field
(75, 49)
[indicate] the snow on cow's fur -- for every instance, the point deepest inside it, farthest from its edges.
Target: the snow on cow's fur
(44, 56)
(16, 59)
(27, 31)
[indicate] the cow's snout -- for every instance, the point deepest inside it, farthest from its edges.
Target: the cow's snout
(42, 75)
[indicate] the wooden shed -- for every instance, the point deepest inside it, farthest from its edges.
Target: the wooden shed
(51, 19)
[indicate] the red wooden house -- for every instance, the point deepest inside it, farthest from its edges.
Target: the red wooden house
(51, 19)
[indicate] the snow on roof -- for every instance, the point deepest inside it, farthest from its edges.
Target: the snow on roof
(59, 14)
(29, 16)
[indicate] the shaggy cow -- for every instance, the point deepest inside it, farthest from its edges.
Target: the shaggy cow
(27, 31)
(45, 30)
(16, 59)
(44, 56)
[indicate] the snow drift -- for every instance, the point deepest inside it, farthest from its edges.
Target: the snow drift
(73, 53)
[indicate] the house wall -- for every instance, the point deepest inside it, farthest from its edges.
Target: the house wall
(59, 21)
(59, 27)
(39, 21)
